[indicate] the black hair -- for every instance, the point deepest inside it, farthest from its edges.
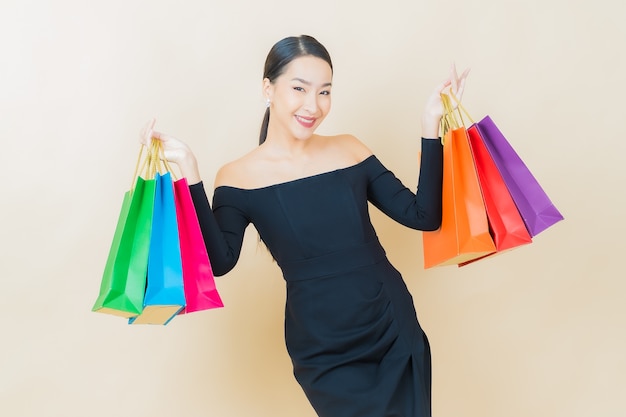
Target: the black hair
(281, 54)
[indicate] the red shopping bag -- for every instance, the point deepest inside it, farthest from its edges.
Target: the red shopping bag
(505, 222)
(199, 282)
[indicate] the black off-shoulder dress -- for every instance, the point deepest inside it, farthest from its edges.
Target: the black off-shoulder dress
(350, 325)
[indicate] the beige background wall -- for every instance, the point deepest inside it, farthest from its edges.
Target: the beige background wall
(535, 332)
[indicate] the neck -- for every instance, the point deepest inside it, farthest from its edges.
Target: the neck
(279, 143)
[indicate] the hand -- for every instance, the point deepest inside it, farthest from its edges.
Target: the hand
(433, 110)
(174, 150)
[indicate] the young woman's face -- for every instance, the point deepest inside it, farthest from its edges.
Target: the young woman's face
(300, 97)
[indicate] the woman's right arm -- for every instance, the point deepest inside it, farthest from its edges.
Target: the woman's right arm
(223, 226)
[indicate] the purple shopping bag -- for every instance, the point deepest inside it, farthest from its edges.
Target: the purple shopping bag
(535, 207)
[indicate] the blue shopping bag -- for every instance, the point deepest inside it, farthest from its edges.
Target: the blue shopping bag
(164, 294)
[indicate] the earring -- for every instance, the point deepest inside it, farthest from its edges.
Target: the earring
(267, 102)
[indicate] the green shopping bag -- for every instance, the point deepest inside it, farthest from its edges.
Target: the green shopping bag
(124, 279)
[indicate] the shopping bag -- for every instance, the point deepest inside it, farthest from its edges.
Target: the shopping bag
(199, 282)
(505, 223)
(532, 202)
(124, 279)
(164, 296)
(464, 232)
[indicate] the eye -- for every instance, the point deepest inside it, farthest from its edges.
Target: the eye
(298, 88)
(325, 93)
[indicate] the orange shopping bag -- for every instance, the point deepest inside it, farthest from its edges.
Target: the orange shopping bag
(464, 232)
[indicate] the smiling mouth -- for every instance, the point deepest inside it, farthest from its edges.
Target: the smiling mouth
(307, 122)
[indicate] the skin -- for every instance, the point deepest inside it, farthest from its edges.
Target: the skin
(299, 99)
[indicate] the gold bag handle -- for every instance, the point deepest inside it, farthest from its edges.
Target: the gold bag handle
(460, 108)
(154, 162)
(161, 162)
(448, 120)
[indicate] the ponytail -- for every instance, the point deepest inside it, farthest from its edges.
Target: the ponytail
(264, 125)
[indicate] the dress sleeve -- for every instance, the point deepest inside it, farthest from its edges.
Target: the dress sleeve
(222, 227)
(420, 210)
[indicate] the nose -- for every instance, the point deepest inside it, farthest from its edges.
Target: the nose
(310, 103)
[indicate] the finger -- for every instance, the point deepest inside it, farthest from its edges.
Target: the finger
(149, 126)
(162, 136)
(146, 132)
(462, 80)
(454, 77)
(441, 87)
(150, 131)
(463, 76)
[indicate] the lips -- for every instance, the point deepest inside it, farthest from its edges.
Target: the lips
(307, 122)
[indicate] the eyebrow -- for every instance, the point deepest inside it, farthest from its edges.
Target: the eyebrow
(309, 83)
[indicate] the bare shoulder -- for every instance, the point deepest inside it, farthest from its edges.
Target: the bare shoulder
(350, 146)
(236, 172)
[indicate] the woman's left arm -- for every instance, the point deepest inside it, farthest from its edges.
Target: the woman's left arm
(420, 210)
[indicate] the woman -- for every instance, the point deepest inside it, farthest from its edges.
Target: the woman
(350, 325)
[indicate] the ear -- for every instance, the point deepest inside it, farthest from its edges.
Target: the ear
(268, 89)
